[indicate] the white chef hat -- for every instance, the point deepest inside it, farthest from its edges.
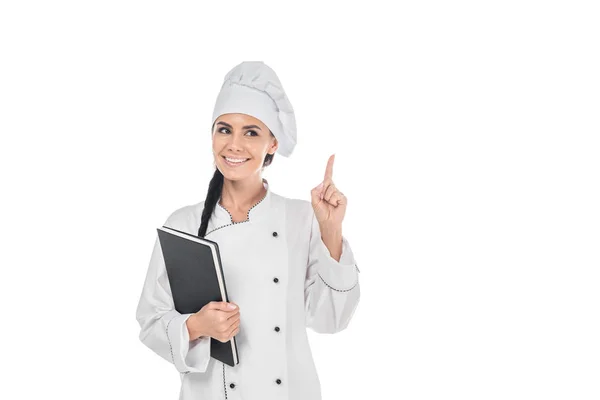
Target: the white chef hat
(253, 88)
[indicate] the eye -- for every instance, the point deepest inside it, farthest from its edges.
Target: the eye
(221, 131)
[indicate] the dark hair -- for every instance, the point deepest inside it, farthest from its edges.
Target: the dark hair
(215, 188)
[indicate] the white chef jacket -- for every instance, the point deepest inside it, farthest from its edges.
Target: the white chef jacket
(281, 275)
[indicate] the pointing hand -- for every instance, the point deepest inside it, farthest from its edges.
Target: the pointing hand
(328, 202)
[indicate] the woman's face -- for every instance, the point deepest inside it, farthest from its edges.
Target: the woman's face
(241, 136)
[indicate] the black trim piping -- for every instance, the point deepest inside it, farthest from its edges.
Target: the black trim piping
(231, 217)
(337, 290)
(224, 384)
(169, 340)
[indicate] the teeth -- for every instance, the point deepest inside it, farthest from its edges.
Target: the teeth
(233, 160)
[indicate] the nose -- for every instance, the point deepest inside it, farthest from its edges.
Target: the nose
(234, 143)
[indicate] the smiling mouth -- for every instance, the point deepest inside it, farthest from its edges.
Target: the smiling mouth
(233, 163)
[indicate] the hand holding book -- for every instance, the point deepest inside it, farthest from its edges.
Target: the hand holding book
(216, 319)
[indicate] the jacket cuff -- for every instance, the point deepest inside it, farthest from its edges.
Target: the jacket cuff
(187, 356)
(342, 275)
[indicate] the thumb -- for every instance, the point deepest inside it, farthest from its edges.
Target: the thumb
(315, 194)
(222, 305)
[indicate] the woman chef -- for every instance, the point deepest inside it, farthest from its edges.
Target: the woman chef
(285, 261)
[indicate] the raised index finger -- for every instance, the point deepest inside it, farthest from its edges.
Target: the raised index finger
(329, 169)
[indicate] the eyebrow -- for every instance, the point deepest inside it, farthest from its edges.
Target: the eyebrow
(243, 127)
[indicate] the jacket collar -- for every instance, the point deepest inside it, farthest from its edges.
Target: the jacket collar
(259, 209)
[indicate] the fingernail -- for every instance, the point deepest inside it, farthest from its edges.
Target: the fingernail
(233, 307)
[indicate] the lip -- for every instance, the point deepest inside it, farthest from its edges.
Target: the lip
(233, 165)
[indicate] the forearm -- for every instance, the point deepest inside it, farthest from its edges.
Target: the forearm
(332, 238)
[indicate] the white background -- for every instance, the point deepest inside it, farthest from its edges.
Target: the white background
(466, 139)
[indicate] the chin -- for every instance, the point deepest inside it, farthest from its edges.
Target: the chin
(237, 173)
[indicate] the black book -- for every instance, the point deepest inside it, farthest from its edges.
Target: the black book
(196, 278)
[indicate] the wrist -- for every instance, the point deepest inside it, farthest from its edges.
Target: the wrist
(193, 327)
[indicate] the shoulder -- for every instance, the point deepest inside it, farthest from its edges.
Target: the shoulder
(299, 207)
(183, 215)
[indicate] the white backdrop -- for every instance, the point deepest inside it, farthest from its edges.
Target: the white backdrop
(466, 137)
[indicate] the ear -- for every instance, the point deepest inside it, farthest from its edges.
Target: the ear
(274, 146)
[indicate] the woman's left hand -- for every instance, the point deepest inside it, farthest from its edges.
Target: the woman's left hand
(328, 202)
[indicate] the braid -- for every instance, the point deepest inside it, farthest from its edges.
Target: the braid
(215, 188)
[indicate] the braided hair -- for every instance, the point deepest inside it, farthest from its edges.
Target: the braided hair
(215, 187)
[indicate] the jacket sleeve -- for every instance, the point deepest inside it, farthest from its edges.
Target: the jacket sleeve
(331, 288)
(162, 328)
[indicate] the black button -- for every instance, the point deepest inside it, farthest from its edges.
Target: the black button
(275, 280)
(278, 381)
(276, 329)
(232, 385)
(275, 234)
